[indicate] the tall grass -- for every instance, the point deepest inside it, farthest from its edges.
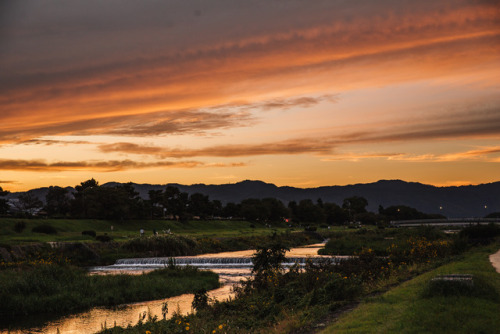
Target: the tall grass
(62, 289)
(380, 241)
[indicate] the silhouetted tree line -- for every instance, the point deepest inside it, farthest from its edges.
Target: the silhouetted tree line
(4, 207)
(122, 202)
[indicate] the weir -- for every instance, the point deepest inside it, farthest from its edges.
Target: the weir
(204, 262)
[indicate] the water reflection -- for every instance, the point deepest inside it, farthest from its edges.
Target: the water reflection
(100, 317)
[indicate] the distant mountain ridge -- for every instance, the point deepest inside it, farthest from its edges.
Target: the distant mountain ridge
(453, 202)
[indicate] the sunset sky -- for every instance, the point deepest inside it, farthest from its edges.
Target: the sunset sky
(299, 93)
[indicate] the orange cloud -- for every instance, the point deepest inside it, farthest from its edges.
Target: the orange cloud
(285, 147)
(161, 122)
(474, 123)
(484, 154)
(101, 166)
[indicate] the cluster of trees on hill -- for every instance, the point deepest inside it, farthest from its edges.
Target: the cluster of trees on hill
(121, 202)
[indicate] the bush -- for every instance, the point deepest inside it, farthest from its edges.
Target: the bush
(200, 300)
(103, 238)
(45, 228)
(19, 226)
(168, 245)
(90, 233)
(482, 234)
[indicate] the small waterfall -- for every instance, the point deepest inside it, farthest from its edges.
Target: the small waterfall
(206, 262)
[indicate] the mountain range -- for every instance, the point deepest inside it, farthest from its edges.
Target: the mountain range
(453, 202)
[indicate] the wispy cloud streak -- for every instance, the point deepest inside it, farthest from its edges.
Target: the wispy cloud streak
(471, 124)
(174, 122)
(102, 166)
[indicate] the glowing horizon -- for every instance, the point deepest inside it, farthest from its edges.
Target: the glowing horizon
(299, 93)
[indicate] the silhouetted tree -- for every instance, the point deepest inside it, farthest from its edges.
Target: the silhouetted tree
(403, 212)
(251, 209)
(136, 206)
(4, 207)
(308, 212)
(57, 201)
(86, 202)
(354, 205)
(156, 202)
(275, 210)
(231, 210)
(199, 205)
(334, 214)
(176, 202)
(28, 203)
(216, 208)
(493, 215)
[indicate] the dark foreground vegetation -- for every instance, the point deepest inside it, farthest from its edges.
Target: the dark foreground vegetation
(290, 301)
(60, 289)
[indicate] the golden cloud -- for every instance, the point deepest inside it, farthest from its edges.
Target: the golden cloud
(474, 123)
(102, 166)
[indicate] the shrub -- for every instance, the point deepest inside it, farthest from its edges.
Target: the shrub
(103, 238)
(168, 245)
(342, 288)
(19, 226)
(310, 228)
(90, 233)
(482, 234)
(45, 228)
(200, 300)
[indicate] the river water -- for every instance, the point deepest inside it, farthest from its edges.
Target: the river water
(234, 267)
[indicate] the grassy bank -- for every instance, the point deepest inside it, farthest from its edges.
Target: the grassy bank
(182, 241)
(63, 289)
(71, 229)
(417, 307)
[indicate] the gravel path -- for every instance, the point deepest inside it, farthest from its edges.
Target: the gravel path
(495, 260)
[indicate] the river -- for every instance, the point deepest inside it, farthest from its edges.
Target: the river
(231, 270)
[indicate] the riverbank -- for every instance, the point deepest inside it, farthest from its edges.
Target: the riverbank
(186, 239)
(417, 306)
(17, 231)
(60, 289)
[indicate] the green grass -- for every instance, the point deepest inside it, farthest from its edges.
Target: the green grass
(189, 238)
(406, 309)
(71, 229)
